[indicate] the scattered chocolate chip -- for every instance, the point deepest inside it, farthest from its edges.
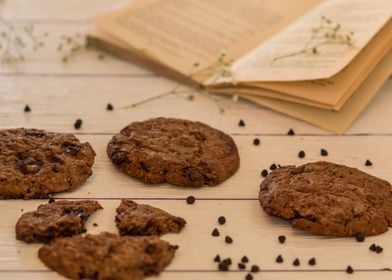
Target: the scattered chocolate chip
(228, 240)
(109, 107)
(360, 237)
(241, 123)
(279, 259)
(78, 123)
(296, 262)
(323, 152)
(244, 259)
(51, 200)
(221, 220)
(282, 239)
(291, 132)
(248, 277)
(349, 269)
(227, 261)
(273, 166)
(241, 266)
(190, 199)
(215, 232)
(264, 172)
(301, 154)
(373, 247)
(255, 268)
(312, 261)
(217, 258)
(27, 109)
(223, 267)
(379, 249)
(95, 224)
(256, 141)
(21, 210)
(368, 163)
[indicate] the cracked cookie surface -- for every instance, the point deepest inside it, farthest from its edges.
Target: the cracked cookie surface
(176, 151)
(328, 199)
(107, 256)
(35, 163)
(141, 219)
(57, 219)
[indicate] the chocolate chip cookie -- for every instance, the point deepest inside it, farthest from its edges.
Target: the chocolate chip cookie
(35, 163)
(140, 219)
(107, 256)
(57, 219)
(176, 151)
(328, 199)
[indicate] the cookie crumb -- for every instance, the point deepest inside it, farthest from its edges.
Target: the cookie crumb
(256, 141)
(27, 109)
(324, 152)
(312, 261)
(279, 259)
(301, 154)
(78, 123)
(215, 232)
(241, 123)
(360, 237)
(221, 220)
(228, 239)
(282, 239)
(190, 199)
(368, 163)
(109, 107)
(217, 258)
(244, 259)
(349, 269)
(296, 262)
(291, 132)
(264, 173)
(255, 268)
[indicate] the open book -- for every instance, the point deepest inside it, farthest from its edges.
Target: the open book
(310, 59)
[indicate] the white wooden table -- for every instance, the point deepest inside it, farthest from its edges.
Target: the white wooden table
(60, 93)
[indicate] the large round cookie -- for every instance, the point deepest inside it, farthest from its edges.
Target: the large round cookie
(328, 199)
(176, 151)
(35, 163)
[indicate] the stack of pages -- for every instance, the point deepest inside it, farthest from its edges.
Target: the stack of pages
(318, 61)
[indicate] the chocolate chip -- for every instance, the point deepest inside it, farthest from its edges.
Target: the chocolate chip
(109, 107)
(51, 200)
(255, 268)
(27, 109)
(291, 132)
(379, 249)
(119, 157)
(71, 148)
(349, 269)
(323, 152)
(223, 267)
(56, 167)
(301, 154)
(217, 258)
(264, 173)
(368, 163)
(273, 166)
(78, 123)
(241, 123)
(282, 239)
(296, 262)
(221, 220)
(373, 247)
(312, 261)
(244, 259)
(248, 277)
(256, 141)
(227, 261)
(279, 259)
(95, 224)
(241, 266)
(228, 240)
(190, 199)
(360, 237)
(215, 232)
(150, 249)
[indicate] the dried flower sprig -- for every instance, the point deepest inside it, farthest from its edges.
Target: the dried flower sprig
(327, 33)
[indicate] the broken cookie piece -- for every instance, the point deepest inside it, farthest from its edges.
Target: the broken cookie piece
(107, 256)
(140, 219)
(56, 219)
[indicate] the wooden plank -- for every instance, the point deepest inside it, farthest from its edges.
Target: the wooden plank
(254, 233)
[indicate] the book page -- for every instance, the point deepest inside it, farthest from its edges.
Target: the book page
(318, 45)
(185, 33)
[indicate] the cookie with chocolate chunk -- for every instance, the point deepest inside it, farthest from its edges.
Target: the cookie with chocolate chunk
(56, 219)
(141, 219)
(107, 256)
(328, 199)
(176, 151)
(35, 163)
